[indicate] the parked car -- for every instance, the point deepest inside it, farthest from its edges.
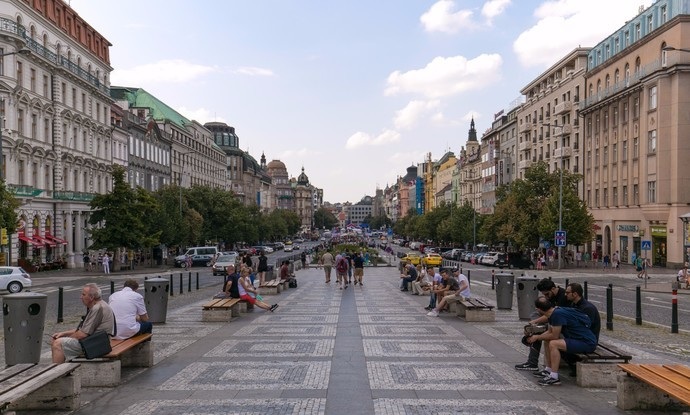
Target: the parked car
(289, 247)
(14, 279)
(432, 260)
(489, 258)
(412, 258)
(198, 252)
(514, 260)
(222, 262)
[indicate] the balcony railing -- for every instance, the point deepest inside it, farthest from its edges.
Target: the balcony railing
(525, 145)
(562, 130)
(524, 164)
(622, 85)
(562, 152)
(24, 191)
(525, 128)
(9, 26)
(562, 108)
(77, 196)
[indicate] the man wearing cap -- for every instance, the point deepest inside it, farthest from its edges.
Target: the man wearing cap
(457, 287)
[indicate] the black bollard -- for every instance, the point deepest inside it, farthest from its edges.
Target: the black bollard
(189, 283)
(171, 285)
(112, 287)
(493, 280)
(181, 284)
(567, 281)
(197, 281)
(609, 307)
(61, 292)
(469, 281)
(674, 311)
(638, 306)
(584, 289)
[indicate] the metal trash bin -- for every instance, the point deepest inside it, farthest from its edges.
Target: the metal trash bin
(156, 292)
(504, 291)
(527, 294)
(23, 320)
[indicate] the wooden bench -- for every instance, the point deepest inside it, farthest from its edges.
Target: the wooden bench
(29, 386)
(474, 309)
(137, 351)
(270, 287)
(223, 309)
(646, 386)
(599, 369)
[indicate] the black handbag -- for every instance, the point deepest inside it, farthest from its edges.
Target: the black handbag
(96, 345)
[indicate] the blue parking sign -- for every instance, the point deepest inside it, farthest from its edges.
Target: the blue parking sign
(560, 239)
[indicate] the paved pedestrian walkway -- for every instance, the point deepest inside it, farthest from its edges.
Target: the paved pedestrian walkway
(363, 350)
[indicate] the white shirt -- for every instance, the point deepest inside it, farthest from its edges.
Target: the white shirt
(127, 305)
(466, 292)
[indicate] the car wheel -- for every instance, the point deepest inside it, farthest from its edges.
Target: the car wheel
(14, 287)
(511, 266)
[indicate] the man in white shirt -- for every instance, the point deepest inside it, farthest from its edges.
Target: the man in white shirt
(130, 311)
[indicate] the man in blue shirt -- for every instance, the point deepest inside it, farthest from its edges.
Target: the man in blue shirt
(569, 331)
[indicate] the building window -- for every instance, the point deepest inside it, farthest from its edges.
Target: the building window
(651, 192)
(606, 197)
(615, 116)
(20, 74)
(596, 197)
(614, 153)
(636, 147)
(650, 23)
(45, 86)
(614, 196)
(651, 142)
(636, 194)
(636, 108)
(662, 14)
(652, 98)
(625, 196)
(34, 126)
(20, 122)
(32, 73)
(638, 32)
(625, 112)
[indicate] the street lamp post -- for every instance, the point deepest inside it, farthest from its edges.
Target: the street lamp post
(560, 213)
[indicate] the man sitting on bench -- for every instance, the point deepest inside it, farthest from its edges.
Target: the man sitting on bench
(453, 290)
(575, 328)
(130, 311)
(65, 345)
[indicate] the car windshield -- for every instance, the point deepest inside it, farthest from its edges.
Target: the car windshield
(226, 258)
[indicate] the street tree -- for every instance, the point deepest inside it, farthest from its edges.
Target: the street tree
(8, 209)
(324, 219)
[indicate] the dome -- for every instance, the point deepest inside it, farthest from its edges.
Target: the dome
(303, 179)
(276, 164)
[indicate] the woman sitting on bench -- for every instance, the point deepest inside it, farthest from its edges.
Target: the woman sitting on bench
(248, 292)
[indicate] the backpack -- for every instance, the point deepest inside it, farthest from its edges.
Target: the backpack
(341, 266)
(292, 283)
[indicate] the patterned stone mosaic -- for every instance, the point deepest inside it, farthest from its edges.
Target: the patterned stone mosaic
(277, 317)
(287, 330)
(396, 309)
(274, 348)
(394, 319)
(250, 375)
(229, 406)
(456, 376)
(468, 406)
(308, 310)
(369, 330)
(437, 347)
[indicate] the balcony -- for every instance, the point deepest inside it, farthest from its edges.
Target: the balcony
(562, 152)
(24, 191)
(525, 145)
(524, 128)
(565, 129)
(563, 108)
(524, 164)
(76, 196)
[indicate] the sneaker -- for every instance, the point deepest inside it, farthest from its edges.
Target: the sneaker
(527, 366)
(355, 282)
(542, 374)
(432, 313)
(346, 286)
(360, 285)
(549, 381)
(273, 307)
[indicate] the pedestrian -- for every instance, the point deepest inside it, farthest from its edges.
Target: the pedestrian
(130, 311)
(327, 262)
(684, 276)
(607, 261)
(341, 271)
(578, 258)
(303, 258)
(106, 263)
(585, 259)
(616, 261)
(262, 267)
(358, 263)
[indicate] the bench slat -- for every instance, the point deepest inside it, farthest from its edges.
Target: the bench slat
(33, 379)
(652, 377)
(605, 352)
(121, 346)
(670, 375)
(680, 369)
(222, 304)
(12, 371)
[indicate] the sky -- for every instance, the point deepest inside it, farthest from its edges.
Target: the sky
(352, 91)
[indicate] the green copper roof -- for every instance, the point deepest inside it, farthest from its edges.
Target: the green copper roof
(139, 98)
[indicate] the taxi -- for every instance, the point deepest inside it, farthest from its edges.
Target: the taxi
(412, 258)
(432, 260)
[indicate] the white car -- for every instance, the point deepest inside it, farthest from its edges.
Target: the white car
(489, 258)
(222, 263)
(14, 279)
(288, 248)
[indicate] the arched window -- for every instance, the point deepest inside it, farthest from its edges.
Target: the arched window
(32, 32)
(45, 40)
(627, 74)
(608, 81)
(663, 54)
(637, 67)
(616, 77)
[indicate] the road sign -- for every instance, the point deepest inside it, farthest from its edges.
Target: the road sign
(646, 245)
(559, 239)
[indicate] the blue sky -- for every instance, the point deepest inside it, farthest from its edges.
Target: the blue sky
(353, 91)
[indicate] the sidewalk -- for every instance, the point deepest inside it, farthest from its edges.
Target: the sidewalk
(363, 350)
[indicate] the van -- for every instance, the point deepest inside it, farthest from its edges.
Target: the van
(201, 255)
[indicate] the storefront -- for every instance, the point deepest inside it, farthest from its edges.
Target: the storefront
(628, 241)
(658, 245)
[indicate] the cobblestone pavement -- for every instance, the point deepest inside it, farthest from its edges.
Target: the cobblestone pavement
(362, 350)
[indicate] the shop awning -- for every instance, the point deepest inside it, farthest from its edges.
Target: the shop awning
(56, 240)
(28, 240)
(44, 241)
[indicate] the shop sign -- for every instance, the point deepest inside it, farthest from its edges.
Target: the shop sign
(627, 228)
(658, 230)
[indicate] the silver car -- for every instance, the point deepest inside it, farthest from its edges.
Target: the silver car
(14, 279)
(222, 263)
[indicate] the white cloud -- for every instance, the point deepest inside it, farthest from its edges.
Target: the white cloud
(568, 24)
(447, 76)
(254, 71)
(441, 17)
(301, 154)
(413, 111)
(173, 71)
(202, 115)
(360, 139)
(494, 8)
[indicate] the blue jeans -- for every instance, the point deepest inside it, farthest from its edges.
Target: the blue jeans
(145, 327)
(432, 300)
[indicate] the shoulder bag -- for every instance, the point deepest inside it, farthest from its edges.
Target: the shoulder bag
(98, 343)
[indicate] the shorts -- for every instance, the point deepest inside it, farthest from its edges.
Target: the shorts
(359, 272)
(71, 348)
(248, 298)
(578, 346)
